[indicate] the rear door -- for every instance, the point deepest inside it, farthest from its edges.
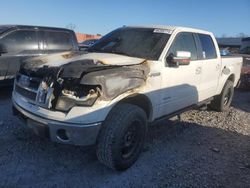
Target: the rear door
(57, 41)
(211, 66)
(19, 45)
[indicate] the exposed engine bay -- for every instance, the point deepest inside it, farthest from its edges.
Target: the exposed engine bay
(77, 83)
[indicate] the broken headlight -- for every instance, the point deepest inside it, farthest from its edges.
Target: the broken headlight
(77, 97)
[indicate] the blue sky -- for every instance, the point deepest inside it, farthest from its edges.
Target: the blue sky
(229, 17)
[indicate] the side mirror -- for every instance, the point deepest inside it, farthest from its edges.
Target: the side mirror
(181, 58)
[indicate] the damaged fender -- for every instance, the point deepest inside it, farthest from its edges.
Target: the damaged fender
(117, 80)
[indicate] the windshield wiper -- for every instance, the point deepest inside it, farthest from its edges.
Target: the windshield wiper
(120, 53)
(91, 50)
(108, 51)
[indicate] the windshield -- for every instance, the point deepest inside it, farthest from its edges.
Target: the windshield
(136, 42)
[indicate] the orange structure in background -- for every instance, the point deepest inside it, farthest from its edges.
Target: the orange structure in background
(82, 37)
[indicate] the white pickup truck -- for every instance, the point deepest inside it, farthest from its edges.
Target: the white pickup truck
(131, 77)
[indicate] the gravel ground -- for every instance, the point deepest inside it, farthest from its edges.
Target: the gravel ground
(204, 149)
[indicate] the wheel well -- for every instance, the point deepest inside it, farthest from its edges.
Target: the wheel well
(141, 101)
(231, 78)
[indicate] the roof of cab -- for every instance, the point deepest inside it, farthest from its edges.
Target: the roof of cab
(172, 28)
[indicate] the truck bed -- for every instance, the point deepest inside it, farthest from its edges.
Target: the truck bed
(234, 63)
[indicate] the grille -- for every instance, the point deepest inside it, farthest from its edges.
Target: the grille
(25, 93)
(27, 86)
(34, 83)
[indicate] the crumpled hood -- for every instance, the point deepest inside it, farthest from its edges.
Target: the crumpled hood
(80, 74)
(59, 59)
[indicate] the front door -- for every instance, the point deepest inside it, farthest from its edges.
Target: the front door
(180, 85)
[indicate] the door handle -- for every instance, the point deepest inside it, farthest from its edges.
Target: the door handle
(198, 70)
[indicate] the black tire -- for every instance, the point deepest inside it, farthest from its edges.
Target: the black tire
(126, 124)
(238, 86)
(223, 101)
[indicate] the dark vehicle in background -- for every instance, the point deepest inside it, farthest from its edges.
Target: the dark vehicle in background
(87, 43)
(245, 46)
(17, 43)
(245, 72)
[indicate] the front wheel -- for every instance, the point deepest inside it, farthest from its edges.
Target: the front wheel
(223, 101)
(122, 137)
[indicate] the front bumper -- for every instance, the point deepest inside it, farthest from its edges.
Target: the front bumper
(57, 131)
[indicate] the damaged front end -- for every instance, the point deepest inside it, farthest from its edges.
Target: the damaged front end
(78, 83)
(78, 95)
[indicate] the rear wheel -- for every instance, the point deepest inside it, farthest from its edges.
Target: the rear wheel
(223, 101)
(122, 137)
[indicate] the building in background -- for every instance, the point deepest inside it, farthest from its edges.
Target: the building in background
(82, 37)
(233, 44)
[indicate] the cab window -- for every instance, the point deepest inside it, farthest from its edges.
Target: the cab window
(207, 47)
(184, 42)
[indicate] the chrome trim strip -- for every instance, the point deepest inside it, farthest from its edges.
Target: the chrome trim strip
(27, 88)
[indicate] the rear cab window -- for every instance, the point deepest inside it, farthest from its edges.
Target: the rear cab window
(207, 47)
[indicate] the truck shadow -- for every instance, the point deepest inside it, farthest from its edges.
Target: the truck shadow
(172, 148)
(242, 100)
(5, 92)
